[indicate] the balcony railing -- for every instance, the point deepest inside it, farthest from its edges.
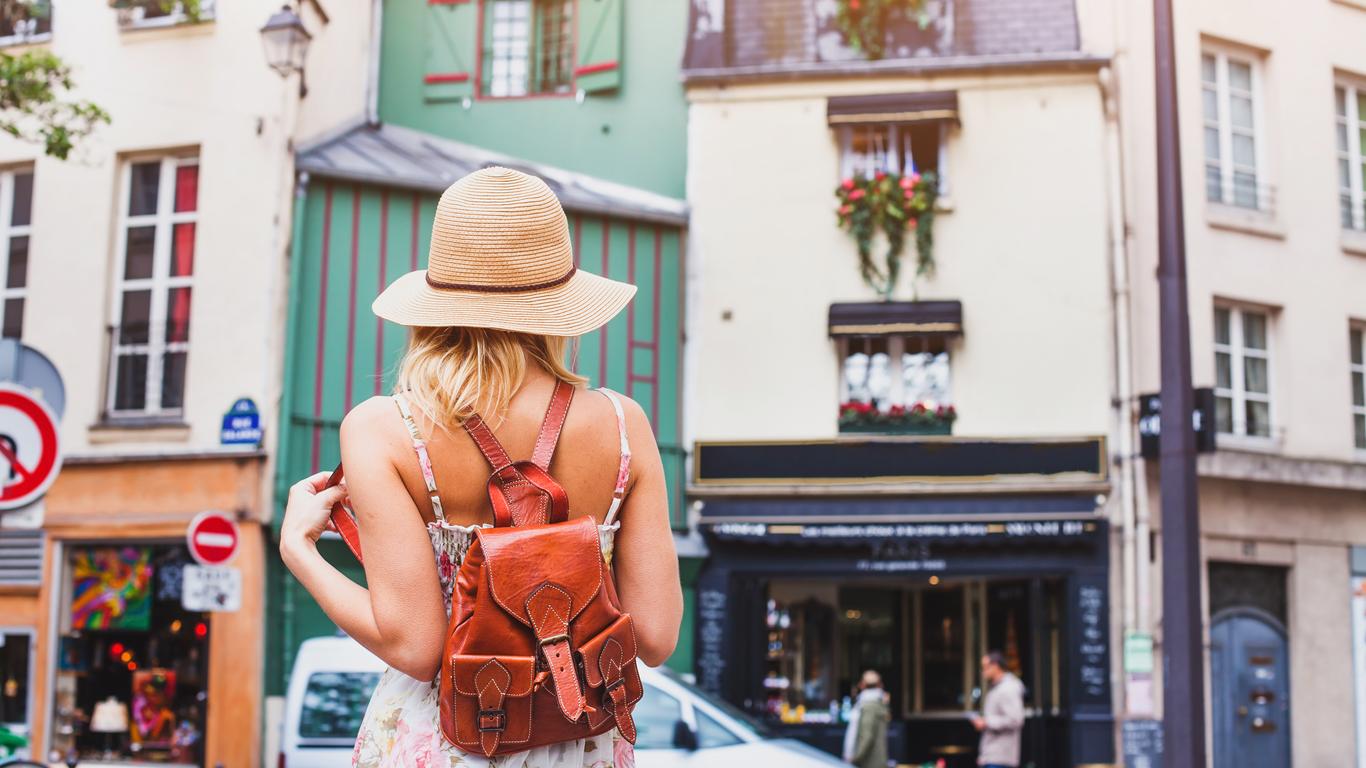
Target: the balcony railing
(1353, 215)
(1239, 192)
(24, 22)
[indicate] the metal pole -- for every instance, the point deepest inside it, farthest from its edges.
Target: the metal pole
(1183, 690)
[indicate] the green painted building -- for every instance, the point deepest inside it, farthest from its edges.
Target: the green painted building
(579, 92)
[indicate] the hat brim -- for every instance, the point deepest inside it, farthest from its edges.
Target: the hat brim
(583, 303)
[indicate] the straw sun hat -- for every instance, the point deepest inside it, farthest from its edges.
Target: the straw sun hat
(501, 258)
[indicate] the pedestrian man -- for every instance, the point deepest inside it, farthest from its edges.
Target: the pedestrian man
(865, 740)
(1002, 715)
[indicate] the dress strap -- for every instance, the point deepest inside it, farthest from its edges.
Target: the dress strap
(423, 459)
(624, 467)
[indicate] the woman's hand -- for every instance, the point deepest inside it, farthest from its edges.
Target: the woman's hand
(308, 513)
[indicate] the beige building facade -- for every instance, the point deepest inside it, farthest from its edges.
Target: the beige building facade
(1272, 140)
(149, 268)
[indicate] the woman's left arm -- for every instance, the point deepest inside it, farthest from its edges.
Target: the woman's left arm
(400, 618)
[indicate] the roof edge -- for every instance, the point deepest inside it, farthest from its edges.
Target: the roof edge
(935, 66)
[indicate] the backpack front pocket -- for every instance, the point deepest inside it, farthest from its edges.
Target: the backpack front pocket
(609, 668)
(492, 700)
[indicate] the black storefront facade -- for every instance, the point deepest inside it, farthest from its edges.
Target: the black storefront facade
(911, 556)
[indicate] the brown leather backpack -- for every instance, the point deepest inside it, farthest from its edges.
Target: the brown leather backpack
(538, 650)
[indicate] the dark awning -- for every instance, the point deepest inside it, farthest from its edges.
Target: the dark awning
(899, 108)
(884, 318)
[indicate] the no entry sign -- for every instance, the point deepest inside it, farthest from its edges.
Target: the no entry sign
(212, 537)
(30, 456)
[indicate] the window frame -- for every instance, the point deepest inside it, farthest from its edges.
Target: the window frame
(849, 160)
(1256, 63)
(207, 13)
(14, 38)
(8, 231)
(1237, 392)
(484, 88)
(1357, 330)
(1354, 123)
(160, 284)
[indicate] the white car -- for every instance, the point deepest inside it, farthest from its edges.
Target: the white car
(676, 724)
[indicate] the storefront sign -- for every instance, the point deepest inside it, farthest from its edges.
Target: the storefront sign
(1143, 744)
(1004, 529)
(711, 635)
(211, 589)
(1138, 652)
(1092, 650)
(1150, 422)
(30, 454)
(242, 424)
(212, 537)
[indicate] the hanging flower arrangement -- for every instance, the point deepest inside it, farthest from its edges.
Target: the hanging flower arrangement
(864, 22)
(917, 419)
(890, 203)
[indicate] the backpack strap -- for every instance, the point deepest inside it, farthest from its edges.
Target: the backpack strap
(552, 424)
(513, 482)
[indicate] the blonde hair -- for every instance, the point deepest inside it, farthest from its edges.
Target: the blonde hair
(453, 372)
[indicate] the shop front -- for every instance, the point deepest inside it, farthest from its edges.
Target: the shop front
(858, 565)
(119, 672)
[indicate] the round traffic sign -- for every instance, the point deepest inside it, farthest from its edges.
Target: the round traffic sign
(30, 455)
(213, 538)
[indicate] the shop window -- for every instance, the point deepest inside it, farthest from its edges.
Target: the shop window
(16, 213)
(16, 679)
(132, 664)
(150, 336)
(25, 22)
(1230, 83)
(1357, 339)
(1350, 110)
(529, 47)
(894, 148)
(924, 639)
(1242, 372)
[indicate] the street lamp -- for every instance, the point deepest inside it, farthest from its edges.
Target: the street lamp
(286, 43)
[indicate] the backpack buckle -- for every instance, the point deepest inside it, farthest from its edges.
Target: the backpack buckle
(492, 721)
(554, 639)
(608, 700)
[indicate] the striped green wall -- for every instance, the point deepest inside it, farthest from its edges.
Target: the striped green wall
(350, 241)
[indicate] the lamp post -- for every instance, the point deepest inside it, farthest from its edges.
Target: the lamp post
(286, 42)
(1183, 668)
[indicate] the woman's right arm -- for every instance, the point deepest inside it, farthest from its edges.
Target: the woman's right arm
(644, 563)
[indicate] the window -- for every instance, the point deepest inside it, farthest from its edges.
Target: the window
(656, 715)
(896, 384)
(1230, 90)
(1242, 372)
(16, 211)
(1358, 357)
(530, 47)
(334, 704)
(1351, 133)
(24, 22)
(711, 734)
(904, 149)
(16, 655)
(150, 339)
(141, 14)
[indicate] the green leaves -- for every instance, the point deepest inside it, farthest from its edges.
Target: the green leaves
(864, 22)
(888, 203)
(33, 107)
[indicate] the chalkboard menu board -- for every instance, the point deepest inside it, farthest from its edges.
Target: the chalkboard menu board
(1092, 657)
(1143, 744)
(711, 633)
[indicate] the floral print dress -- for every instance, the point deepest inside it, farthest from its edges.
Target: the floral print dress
(402, 725)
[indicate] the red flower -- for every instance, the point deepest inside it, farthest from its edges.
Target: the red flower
(847, 184)
(845, 210)
(915, 179)
(854, 5)
(879, 176)
(856, 194)
(918, 408)
(906, 183)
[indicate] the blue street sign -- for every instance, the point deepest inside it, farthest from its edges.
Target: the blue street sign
(242, 424)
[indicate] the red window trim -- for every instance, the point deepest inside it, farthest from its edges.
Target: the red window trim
(438, 78)
(590, 69)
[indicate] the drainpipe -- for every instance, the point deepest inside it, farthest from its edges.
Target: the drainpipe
(372, 72)
(1124, 384)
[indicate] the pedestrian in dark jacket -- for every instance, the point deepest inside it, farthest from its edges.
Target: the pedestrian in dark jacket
(865, 743)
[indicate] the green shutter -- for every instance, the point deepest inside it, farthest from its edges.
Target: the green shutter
(450, 50)
(598, 60)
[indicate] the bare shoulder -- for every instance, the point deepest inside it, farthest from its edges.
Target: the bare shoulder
(372, 428)
(638, 429)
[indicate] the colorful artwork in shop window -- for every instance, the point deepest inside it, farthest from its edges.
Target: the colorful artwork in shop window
(153, 722)
(111, 588)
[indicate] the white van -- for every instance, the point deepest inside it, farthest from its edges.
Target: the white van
(329, 689)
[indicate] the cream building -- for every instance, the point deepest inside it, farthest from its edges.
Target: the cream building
(838, 544)
(150, 268)
(1273, 132)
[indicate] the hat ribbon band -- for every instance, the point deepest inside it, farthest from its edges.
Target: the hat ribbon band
(561, 280)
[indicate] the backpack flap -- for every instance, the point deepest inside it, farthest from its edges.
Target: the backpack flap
(609, 668)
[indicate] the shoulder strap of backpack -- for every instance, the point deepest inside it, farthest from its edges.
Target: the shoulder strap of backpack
(552, 424)
(506, 471)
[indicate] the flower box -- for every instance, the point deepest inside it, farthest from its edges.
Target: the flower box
(865, 418)
(937, 428)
